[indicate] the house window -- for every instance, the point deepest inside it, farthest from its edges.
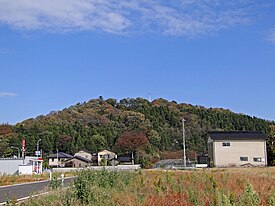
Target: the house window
(244, 159)
(79, 165)
(52, 159)
(226, 144)
(257, 159)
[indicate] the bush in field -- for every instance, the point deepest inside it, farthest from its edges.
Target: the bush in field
(55, 183)
(223, 200)
(96, 186)
(193, 197)
(82, 188)
(271, 199)
(249, 197)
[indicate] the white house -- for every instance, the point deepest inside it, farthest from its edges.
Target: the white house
(107, 155)
(58, 159)
(237, 148)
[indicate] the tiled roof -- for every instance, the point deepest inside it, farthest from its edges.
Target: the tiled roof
(237, 135)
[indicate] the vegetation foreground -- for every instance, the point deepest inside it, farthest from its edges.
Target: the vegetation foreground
(251, 186)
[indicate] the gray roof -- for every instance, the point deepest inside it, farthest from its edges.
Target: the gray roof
(237, 135)
(60, 155)
(81, 159)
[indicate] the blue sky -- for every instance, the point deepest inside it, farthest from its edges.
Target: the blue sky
(56, 53)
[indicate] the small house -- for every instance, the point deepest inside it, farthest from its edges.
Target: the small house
(58, 159)
(107, 155)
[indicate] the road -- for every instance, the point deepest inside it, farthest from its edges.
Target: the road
(27, 189)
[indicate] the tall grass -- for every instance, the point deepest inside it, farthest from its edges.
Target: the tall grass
(218, 188)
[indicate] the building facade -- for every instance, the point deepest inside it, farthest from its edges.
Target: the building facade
(107, 155)
(238, 148)
(10, 166)
(58, 159)
(78, 162)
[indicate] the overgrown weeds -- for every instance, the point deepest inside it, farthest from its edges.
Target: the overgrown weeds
(219, 188)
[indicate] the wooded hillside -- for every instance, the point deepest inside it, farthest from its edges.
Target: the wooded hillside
(98, 124)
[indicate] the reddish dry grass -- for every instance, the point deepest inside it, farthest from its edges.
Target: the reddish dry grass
(10, 180)
(174, 199)
(184, 188)
(173, 187)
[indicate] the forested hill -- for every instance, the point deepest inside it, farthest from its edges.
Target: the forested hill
(156, 127)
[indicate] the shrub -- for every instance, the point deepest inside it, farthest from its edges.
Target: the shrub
(249, 197)
(271, 199)
(55, 183)
(96, 186)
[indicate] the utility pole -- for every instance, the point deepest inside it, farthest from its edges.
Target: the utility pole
(183, 143)
(37, 154)
(57, 157)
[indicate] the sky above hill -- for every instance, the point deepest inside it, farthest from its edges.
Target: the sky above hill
(215, 53)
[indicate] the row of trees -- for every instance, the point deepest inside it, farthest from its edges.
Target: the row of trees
(123, 125)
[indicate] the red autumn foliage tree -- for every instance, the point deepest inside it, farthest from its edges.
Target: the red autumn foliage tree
(132, 141)
(5, 129)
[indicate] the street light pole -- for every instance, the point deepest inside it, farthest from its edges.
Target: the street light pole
(17, 149)
(37, 146)
(183, 143)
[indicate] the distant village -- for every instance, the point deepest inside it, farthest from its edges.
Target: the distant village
(81, 159)
(225, 149)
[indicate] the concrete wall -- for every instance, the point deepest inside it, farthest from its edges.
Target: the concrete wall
(109, 168)
(25, 169)
(10, 166)
(226, 156)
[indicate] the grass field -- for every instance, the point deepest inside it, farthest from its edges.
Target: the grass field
(224, 187)
(18, 179)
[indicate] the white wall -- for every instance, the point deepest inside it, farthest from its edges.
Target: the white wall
(109, 168)
(230, 156)
(9, 166)
(55, 162)
(25, 169)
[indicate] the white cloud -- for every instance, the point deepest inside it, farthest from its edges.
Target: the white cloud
(179, 17)
(7, 94)
(271, 36)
